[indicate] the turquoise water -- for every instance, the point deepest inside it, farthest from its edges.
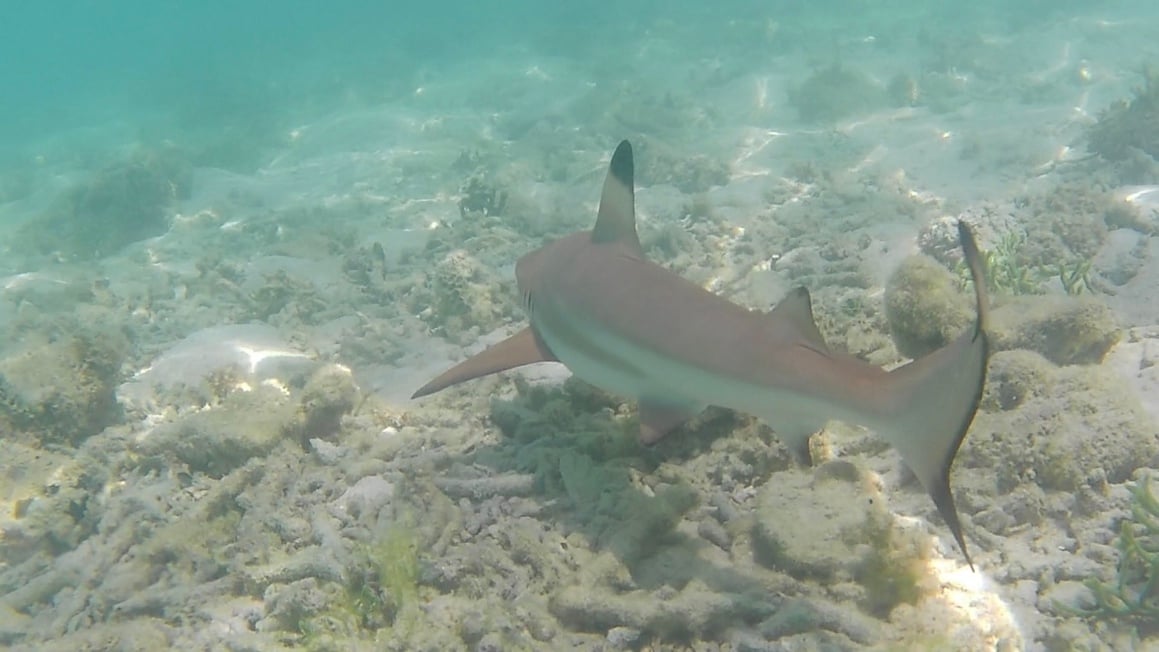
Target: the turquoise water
(78, 64)
(82, 64)
(236, 238)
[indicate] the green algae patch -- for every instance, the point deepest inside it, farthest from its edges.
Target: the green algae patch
(1133, 594)
(1129, 125)
(1065, 330)
(1015, 377)
(63, 390)
(328, 395)
(895, 569)
(925, 306)
(126, 201)
(395, 559)
(380, 603)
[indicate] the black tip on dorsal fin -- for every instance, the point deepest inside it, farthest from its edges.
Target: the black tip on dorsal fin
(623, 167)
(617, 216)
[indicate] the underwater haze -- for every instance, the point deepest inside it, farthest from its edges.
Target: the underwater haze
(237, 238)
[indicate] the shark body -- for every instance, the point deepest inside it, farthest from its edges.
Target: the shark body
(632, 327)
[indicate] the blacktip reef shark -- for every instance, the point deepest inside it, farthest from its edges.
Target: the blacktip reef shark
(632, 327)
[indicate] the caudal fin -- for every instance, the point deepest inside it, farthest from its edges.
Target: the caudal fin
(936, 397)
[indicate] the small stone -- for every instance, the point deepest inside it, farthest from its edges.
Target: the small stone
(13, 624)
(623, 638)
(367, 495)
(713, 532)
(994, 520)
(326, 452)
(1064, 597)
(491, 643)
(287, 605)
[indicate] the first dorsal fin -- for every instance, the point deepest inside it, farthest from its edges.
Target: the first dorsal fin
(796, 309)
(617, 216)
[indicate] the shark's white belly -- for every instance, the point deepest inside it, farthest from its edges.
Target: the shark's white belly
(618, 365)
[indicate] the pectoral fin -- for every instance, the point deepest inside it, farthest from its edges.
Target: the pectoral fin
(524, 347)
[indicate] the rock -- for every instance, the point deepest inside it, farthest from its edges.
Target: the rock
(326, 452)
(223, 437)
(137, 635)
(288, 605)
(695, 610)
(313, 562)
(329, 394)
(714, 532)
(1015, 377)
(125, 201)
(995, 520)
(222, 357)
(804, 520)
(834, 527)
(836, 92)
(1065, 330)
(510, 484)
(366, 496)
(1136, 207)
(1123, 256)
(801, 616)
(955, 618)
(1081, 424)
(1063, 598)
(1073, 634)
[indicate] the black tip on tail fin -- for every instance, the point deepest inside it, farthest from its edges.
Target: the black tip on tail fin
(942, 496)
(938, 396)
(944, 501)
